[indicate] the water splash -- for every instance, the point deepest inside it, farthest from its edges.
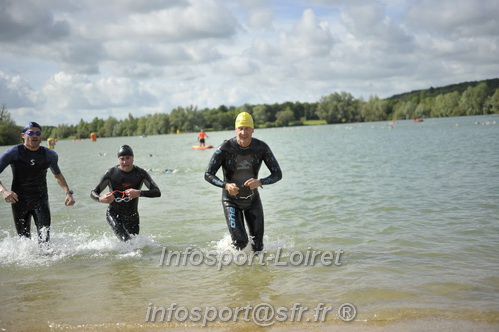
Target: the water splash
(15, 250)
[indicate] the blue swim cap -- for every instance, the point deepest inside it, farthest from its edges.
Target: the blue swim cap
(31, 124)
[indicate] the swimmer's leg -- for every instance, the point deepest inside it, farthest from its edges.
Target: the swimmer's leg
(235, 223)
(22, 219)
(118, 228)
(132, 224)
(42, 218)
(255, 221)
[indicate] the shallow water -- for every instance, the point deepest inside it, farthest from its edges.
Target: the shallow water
(409, 214)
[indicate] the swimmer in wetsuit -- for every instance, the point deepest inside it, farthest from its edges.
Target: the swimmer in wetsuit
(241, 158)
(125, 181)
(29, 194)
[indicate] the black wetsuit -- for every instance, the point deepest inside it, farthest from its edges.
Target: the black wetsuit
(29, 170)
(240, 164)
(124, 216)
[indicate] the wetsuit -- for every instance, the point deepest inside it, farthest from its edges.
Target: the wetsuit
(29, 170)
(240, 164)
(123, 216)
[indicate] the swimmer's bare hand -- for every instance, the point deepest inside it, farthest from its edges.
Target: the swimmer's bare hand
(10, 196)
(70, 201)
(132, 193)
(253, 183)
(107, 198)
(232, 188)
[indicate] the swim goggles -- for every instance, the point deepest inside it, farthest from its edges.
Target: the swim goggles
(245, 197)
(123, 198)
(33, 133)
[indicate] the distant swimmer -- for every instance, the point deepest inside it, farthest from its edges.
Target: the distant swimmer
(201, 137)
(29, 195)
(125, 181)
(241, 158)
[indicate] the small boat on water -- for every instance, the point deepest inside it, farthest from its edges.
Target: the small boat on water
(417, 120)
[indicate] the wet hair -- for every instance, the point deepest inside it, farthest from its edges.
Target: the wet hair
(31, 124)
(125, 150)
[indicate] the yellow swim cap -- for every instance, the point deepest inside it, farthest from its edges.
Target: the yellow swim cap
(244, 119)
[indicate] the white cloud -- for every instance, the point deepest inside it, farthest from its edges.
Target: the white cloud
(62, 61)
(308, 38)
(16, 92)
(199, 20)
(454, 18)
(30, 22)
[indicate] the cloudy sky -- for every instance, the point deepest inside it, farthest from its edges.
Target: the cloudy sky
(62, 60)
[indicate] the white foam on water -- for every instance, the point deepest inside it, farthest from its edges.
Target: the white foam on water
(15, 250)
(271, 244)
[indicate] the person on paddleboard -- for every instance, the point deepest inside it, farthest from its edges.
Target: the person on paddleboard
(29, 194)
(241, 158)
(125, 181)
(201, 137)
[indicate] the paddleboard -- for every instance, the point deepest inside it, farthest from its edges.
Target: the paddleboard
(197, 147)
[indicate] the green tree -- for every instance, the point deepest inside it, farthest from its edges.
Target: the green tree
(493, 103)
(129, 126)
(473, 100)
(96, 126)
(9, 131)
(374, 110)
(211, 118)
(404, 110)
(82, 130)
(111, 128)
(141, 125)
(337, 108)
(177, 119)
(193, 121)
(157, 124)
(260, 115)
(63, 131)
(226, 120)
(446, 105)
(284, 118)
(421, 111)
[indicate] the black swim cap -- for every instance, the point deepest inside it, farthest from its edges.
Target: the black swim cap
(125, 150)
(30, 125)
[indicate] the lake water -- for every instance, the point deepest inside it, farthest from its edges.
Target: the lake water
(405, 217)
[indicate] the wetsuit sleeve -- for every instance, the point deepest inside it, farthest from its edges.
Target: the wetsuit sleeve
(104, 182)
(53, 159)
(151, 185)
(272, 165)
(8, 157)
(213, 167)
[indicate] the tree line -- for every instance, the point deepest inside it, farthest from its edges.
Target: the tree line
(471, 98)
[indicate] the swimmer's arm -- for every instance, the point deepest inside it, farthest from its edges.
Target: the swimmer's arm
(69, 201)
(95, 193)
(212, 169)
(153, 189)
(274, 168)
(5, 160)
